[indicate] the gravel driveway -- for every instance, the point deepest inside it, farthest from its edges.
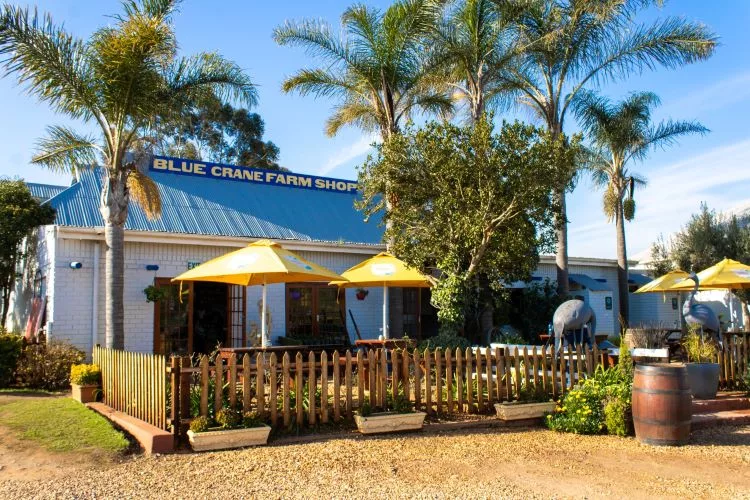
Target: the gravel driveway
(487, 463)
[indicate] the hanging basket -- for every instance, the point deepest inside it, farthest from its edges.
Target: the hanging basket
(362, 293)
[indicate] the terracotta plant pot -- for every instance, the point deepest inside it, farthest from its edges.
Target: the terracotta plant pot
(389, 422)
(703, 379)
(226, 439)
(523, 411)
(84, 393)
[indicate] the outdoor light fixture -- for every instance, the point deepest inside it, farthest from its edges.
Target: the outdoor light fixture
(76, 265)
(152, 267)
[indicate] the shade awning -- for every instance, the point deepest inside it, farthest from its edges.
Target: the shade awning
(727, 274)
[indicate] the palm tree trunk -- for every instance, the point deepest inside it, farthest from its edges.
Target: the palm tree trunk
(561, 258)
(114, 209)
(622, 266)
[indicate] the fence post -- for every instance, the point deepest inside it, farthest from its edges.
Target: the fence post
(174, 371)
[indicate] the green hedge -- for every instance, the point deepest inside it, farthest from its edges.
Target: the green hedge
(10, 350)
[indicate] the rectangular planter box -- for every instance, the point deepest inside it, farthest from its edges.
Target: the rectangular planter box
(389, 422)
(84, 393)
(523, 411)
(232, 438)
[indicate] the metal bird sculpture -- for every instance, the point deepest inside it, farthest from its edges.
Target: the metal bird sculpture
(696, 313)
(573, 315)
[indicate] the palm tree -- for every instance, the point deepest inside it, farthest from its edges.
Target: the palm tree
(376, 69)
(588, 42)
(119, 80)
(475, 45)
(621, 133)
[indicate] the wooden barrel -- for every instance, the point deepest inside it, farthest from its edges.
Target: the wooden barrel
(662, 405)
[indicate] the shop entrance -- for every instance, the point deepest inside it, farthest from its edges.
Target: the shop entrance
(209, 315)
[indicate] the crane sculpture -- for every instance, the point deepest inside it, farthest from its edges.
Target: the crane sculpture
(570, 316)
(696, 313)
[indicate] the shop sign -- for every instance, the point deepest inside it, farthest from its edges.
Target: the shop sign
(180, 166)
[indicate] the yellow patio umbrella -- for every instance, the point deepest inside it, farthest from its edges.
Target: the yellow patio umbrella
(383, 270)
(663, 283)
(260, 263)
(725, 275)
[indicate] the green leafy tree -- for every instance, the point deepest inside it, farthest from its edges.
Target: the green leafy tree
(219, 132)
(587, 42)
(20, 214)
(469, 201)
(622, 133)
(119, 80)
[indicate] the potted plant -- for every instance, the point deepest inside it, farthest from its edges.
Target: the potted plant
(532, 403)
(85, 381)
(401, 417)
(362, 293)
(703, 373)
(230, 429)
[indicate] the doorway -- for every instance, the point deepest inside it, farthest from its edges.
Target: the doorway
(315, 312)
(207, 316)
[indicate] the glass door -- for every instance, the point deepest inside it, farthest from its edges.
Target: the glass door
(173, 319)
(314, 312)
(330, 313)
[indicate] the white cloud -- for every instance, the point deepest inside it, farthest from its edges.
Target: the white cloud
(721, 94)
(719, 177)
(347, 154)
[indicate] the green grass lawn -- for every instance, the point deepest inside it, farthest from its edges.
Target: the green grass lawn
(61, 424)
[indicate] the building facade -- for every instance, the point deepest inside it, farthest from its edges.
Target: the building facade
(209, 210)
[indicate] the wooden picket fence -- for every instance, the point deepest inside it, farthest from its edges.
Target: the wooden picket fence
(733, 359)
(135, 384)
(437, 382)
(278, 387)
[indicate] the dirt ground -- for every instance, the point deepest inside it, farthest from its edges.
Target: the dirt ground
(486, 463)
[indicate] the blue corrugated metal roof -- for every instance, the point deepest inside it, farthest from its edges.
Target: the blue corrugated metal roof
(214, 207)
(638, 279)
(589, 282)
(44, 192)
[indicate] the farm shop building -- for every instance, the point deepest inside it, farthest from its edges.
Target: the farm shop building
(207, 212)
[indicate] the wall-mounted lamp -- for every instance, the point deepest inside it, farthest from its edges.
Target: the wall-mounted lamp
(152, 267)
(76, 265)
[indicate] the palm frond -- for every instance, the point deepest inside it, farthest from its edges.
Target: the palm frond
(666, 134)
(144, 192)
(52, 65)
(64, 150)
(210, 72)
(318, 82)
(352, 113)
(315, 37)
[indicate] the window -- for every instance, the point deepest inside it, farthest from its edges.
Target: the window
(315, 312)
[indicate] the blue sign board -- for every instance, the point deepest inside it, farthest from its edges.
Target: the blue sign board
(181, 166)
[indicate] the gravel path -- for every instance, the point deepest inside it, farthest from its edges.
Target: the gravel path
(486, 463)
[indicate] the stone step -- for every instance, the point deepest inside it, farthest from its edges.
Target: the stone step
(733, 417)
(722, 403)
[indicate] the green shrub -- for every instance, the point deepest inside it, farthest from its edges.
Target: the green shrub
(252, 419)
(47, 366)
(228, 418)
(84, 374)
(598, 402)
(200, 424)
(10, 350)
(533, 394)
(698, 349)
(618, 417)
(580, 412)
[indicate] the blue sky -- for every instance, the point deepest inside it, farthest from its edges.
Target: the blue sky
(714, 168)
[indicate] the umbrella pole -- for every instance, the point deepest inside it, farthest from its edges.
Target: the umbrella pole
(730, 327)
(263, 333)
(385, 311)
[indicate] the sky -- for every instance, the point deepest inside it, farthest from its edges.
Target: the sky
(714, 168)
